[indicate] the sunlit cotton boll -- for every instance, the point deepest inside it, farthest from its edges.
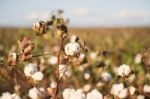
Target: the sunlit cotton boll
(132, 90)
(106, 76)
(62, 69)
(72, 49)
(53, 85)
(146, 88)
(94, 94)
(34, 93)
(78, 94)
(30, 69)
(67, 93)
(52, 60)
(140, 97)
(124, 70)
(138, 58)
(6, 95)
(38, 76)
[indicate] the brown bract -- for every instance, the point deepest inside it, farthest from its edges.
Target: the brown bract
(26, 47)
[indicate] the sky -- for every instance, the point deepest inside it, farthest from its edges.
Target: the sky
(82, 13)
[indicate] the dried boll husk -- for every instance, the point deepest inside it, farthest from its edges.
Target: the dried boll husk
(146, 59)
(12, 59)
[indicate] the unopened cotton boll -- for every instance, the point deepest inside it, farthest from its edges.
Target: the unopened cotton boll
(132, 90)
(72, 49)
(38, 76)
(78, 95)
(124, 70)
(67, 93)
(94, 94)
(106, 76)
(30, 69)
(6, 95)
(62, 69)
(146, 88)
(52, 60)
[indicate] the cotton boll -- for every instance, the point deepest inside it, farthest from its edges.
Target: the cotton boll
(146, 88)
(93, 55)
(6, 95)
(106, 76)
(53, 84)
(131, 78)
(52, 60)
(78, 95)
(74, 38)
(87, 87)
(138, 58)
(38, 76)
(124, 70)
(67, 93)
(123, 94)
(140, 97)
(72, 49)
(117, 88)
(94, 94)
(62, 69)
(87, 76)
(34, 93)
(132, 90)
(15, 96)
(30, 69)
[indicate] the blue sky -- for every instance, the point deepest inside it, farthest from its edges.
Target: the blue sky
(82, 13)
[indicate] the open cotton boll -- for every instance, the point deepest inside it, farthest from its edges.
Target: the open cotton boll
(62, 69)
(67, 93)
(87, 76)
(30, 69)
(140, 97)
(117, 88)
(34, 93)
(106, 76)
(53, 84)
(52, 60)
(93, 55)
(72, 49)
(6, 95)
(146, 88)
(74, 38)
(123, 94)
(15, 96)
(124, 70)
(138, 58)
(132, 90)
(38, 76)
(94, 94)
(87, 87)
(78, 95)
